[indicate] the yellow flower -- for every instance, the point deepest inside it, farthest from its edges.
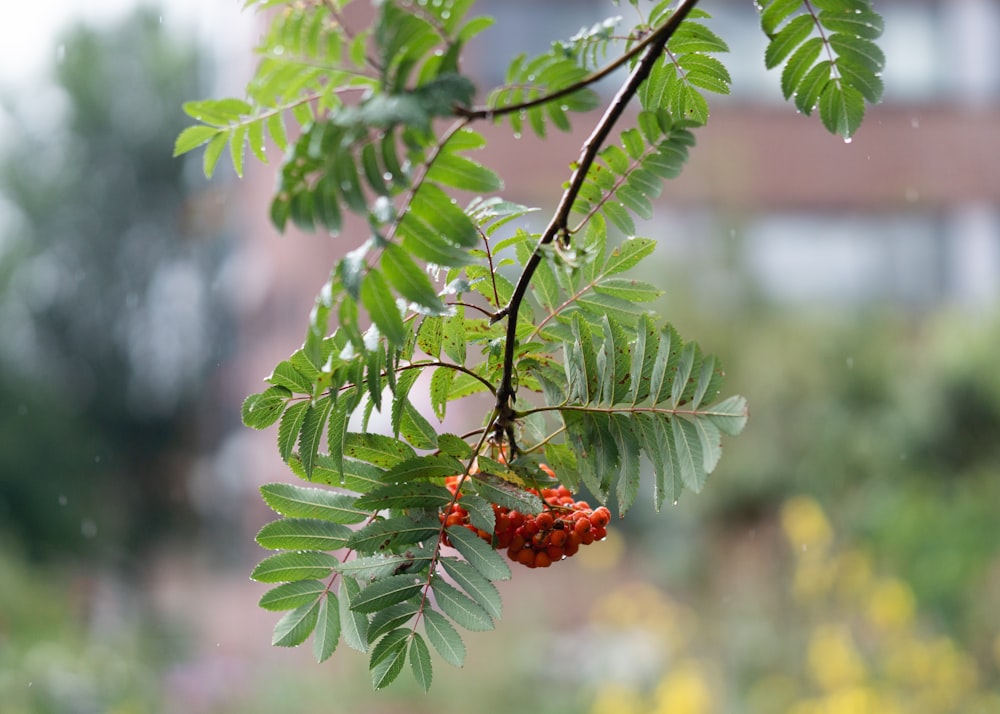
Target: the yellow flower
(684, 691)
(616, 699)
(854, 574)
(813, 578)
(891, 605)
(805, 524)
(833, 660)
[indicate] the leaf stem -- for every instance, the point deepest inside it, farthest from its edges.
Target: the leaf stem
(652, 48)
(653, 38)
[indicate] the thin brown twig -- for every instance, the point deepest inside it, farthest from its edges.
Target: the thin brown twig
(653, 47)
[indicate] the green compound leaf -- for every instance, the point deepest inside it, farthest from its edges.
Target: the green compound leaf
(392, 617)
(295, 627)
(303, 502)
(478, 588)
(327, 628)
(831, 59)
(353, 625)
(420, 662)
(289, 596)
(303, 534)
(480, 555)
(381, 305)
(424, 467)
(386, 592)
(444, 638)
(388, 657)
(285, 567)
(313, 427)
(260, 411)
(290, 427)
(373, 567)
(402, 496)
(459, 607)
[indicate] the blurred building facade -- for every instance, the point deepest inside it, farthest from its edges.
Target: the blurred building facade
(908, 212)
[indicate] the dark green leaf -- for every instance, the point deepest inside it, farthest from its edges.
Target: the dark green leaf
(327, 628)
(791, 36)
(480, 511)
(303, 534)
(387, 658)
(776, 12)
(295, 626)
(416, 429)
(479, 554)
(438, 210)
(460, 608)
(479, 588)
(799, 63)
(407, 495)
(420, 662)
(285, 567)
(440, 388)
(421, 467)
(400, 530)
(444, 638)
(313, 426)
(301, 502)
(502, 493)
(193, 137)
(286, 375)
(381, 306)
(462, 173)
(383, 593)
(812, 85)
(262, 410)
(730, 415)
(689, 457)
(859, 23)
(374, 567)
(289, 596)
(409, 280)
(392, 617)
(377, 449)
(353, 625)
(841, 109)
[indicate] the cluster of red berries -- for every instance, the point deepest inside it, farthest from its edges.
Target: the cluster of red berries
(541, 539)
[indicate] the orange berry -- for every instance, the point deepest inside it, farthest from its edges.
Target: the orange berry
(526, 557)
(601, 517)
(502, 523)
(542, 560)
(544, 521)
(555, 553)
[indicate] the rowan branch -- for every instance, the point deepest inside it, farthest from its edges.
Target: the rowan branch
(558, 226)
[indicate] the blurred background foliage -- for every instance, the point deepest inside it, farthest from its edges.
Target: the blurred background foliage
(844, 558)
(110, 324)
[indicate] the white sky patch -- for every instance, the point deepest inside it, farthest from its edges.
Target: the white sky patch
(29, 31)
